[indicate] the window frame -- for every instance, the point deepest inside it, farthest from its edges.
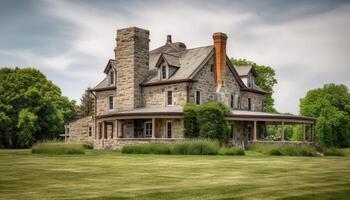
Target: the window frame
(109, 103)
(89, 131)
(249, 99)
(167, 98)
(163, 72)
(111, 72)
(148, 129)
(167, 129)
(232, 101)
(196, 97)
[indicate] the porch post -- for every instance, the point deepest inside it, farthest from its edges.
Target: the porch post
(304, 137)
(153, 128)
(119, 130)
(282, 132)
(254, 132)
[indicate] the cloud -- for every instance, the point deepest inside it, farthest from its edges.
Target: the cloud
(306, 42)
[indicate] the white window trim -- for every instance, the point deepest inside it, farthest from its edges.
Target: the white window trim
(172, 98)
(200, 97)
(108, 107)
(145, 128)
(109, 77)
(166, 128)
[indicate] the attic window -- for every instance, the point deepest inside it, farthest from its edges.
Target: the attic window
(250, 80)
(163, 72)
(111, 77)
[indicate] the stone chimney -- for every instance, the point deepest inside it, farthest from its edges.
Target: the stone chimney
(220, 58)
(168, 39)
(132, 60)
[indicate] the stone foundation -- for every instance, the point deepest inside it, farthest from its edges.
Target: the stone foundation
(120, 142)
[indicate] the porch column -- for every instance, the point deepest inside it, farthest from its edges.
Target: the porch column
(254, 132)
(304, 136)
(120, 131)
(153, 128)
(282, 132)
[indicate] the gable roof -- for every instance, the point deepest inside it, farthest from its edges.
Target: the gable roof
(111, 63)
(187, 60)
(244, 70)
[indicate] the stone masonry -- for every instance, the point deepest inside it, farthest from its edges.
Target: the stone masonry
(132, 58)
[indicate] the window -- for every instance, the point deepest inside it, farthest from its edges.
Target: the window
(169, 129)
(170, 98)
(232, 102)
(111, 77)
(90, 131)
(211, 68)
(249, 103)
(110, 102)
(198, 97)
(148, 129)
(163, 72)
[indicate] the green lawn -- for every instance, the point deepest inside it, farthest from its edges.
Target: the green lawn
(111, 175)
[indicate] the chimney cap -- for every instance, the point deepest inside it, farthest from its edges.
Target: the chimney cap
(168, 39)
(219, 35)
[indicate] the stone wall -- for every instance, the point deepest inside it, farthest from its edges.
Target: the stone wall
(78, 129)
(155, 96)
(132, 60)
(102, 102)
(205, 83)
(257, 101)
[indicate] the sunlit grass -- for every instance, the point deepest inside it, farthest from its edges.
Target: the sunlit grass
(112, 175)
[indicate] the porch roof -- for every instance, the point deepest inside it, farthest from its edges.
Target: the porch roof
(244, 115)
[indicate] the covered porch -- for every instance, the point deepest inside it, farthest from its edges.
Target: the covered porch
(252, 127)
(139, 126)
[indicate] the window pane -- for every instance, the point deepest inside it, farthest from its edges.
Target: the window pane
(169, 131)
(163, 72)
(198, 97)
(170, 98)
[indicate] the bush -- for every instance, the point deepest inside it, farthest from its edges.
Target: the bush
(283, 150)
(88, 145)
(147, 149)
(191, 126)
(332, 151)
(231, 151)
(54, 147)
(196, 147)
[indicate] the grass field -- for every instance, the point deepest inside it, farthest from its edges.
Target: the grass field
(111, 175)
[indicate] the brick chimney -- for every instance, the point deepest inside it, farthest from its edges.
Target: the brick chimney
(220, 58)
(132, 60)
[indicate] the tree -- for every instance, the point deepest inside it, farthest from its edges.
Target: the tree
(86, 106)
(265, 80)
(207, 121)
(330, 106)
(191, 127)
(32, 108)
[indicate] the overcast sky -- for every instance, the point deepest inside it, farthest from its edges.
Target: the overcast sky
(306, 42)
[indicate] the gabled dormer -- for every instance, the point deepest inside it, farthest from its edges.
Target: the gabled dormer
(110, 72)
(247, 74)
(167, 65)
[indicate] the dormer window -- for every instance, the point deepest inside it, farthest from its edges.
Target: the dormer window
(163, 72)
(250, 80)
(249, 103)
(111, 77)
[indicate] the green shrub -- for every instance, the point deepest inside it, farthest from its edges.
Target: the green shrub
(55, 147)
(283, 150)
(332, 151)
(196, 147)
(147, 149)
(88, 145)
(191, 126)
(231, 151)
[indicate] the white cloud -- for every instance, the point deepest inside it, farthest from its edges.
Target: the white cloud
(305, 51)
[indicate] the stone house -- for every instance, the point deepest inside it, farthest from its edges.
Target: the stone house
(141, 98)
